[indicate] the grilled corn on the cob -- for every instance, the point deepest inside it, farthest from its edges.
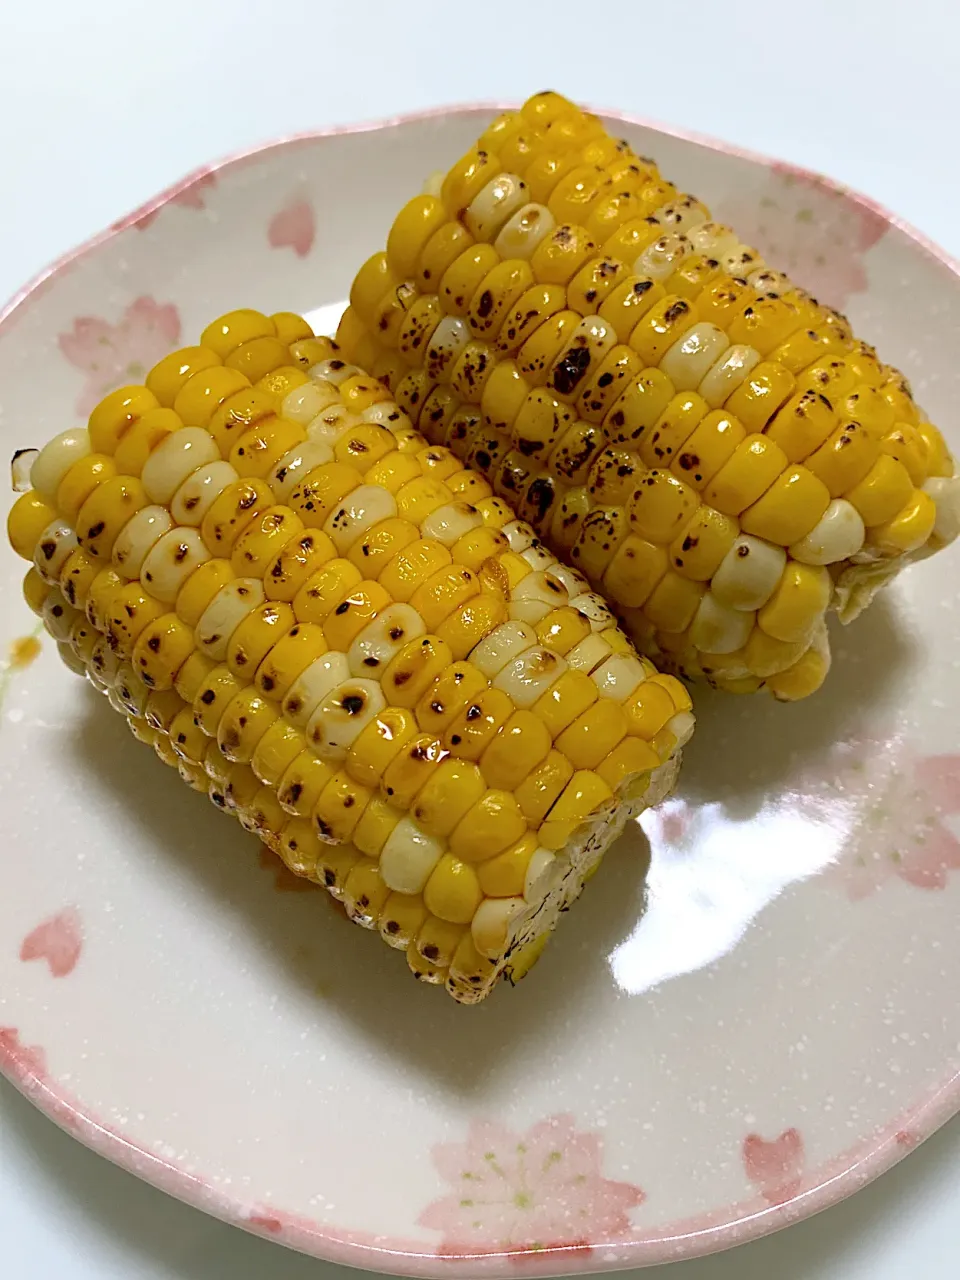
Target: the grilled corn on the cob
(347, 640)
(714, 449)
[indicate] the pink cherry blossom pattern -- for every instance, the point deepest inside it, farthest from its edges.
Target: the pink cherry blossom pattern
(58, 940)
(293, 227)
(802, 226)
(892, 807)
(775, 1167)
(529, 1192)
(112, 355)
(189, 197)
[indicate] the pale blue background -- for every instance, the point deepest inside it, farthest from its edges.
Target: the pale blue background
(126, 95)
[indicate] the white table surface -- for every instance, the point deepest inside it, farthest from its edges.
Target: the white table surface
(126, 95)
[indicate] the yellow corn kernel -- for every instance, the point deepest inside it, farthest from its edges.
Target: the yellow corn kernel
(86, 475)
(910, 528)
(334, 865)
(464, 628)
(491, 825)
(702, 543)
(560, 255)
(377, 822)
(765, 656)
(348, 617)
(753, 467)
(673, 602)
(438, 940)
(244, 721)
(564, 702)
(28, 518)
(905, 444)
(401, 918)
(634, 571)
(412, 566)
(472, 730)
(505, 875)
(710, 447)
(521, 745)
(161, 650)
(661, 326)
(339, 808)
(364, 894)
(230, 513)
(800, 680)
(203, 393)
(760, 395)
(258, 357)
(939, 462)
(803, 424)
(230, 331)
(789, 509)
(847, 456)
(142, 437)
(660, 506)
(318, 496)
(462, 277)
(276, 751)
(453, 892)
(539, 789)
(408, 675)
(648, 709)
(116, 413)
(883, 491)
(630, 758)
(379, 744)
(593, 734)
(450, 792)
(584, 794)
(240, 411)
(797, 603)
(561, 629)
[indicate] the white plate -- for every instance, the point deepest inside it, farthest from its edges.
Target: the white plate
(765, 1021)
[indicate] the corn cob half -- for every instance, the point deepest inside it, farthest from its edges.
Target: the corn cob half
(339, 632)
(714, 449)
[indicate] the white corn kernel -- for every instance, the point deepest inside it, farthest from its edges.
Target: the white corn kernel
(176, 458)
(619, 676)
(359, 511)
(521, 234)
(529, 675)
(725, 375)
(313, 685)
(225, 612)
(490, 926)
(588, 654)
(56, 458)
(449, 523)
(138, 536)
(838, 534)
(716, 628)
(494, 204)
(303, 403)
(200, 490)
(692, 357)
(408, 857)
(539, 861)
(382, 639)
(342, 716)
(535, 596)
(171, 561)
(57, 542)
(503, 644)
(748, 574)
(295, 465)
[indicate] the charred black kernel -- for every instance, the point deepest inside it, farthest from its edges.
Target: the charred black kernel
(455, 739)
(570, 370)
(342, 608)
(153, 644)
(431, 952)
(371, 662)
(353, 703)
(485, 304)
(473, 712)
(688, 461)
(266, 683)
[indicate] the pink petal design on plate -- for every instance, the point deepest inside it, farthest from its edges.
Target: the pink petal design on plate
(527, 1192)
(806, 228)
(890, 805)
(114, 355)
(776, 1167)
(187, 197)
(58, 940)
(293, 227)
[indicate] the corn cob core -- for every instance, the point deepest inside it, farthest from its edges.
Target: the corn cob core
(711, 447)
(339, 633)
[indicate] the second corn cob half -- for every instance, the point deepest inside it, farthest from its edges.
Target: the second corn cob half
(340, 633)
(714, 449)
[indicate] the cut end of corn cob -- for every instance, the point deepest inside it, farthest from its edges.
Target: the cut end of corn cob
(341, 635)
(713, 448)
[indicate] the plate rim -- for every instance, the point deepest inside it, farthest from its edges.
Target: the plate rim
(688, 1238)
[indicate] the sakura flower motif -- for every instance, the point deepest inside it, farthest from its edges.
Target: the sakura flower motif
(817, 235)
(293, 227)
(58, 941)
(189, 197)
(113, 355)
(775, 1167)
(893, 806)
(542, 1189)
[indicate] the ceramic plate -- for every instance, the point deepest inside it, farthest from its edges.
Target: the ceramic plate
(753, 1010)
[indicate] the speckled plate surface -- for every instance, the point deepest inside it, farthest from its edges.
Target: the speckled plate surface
(752, 1011)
